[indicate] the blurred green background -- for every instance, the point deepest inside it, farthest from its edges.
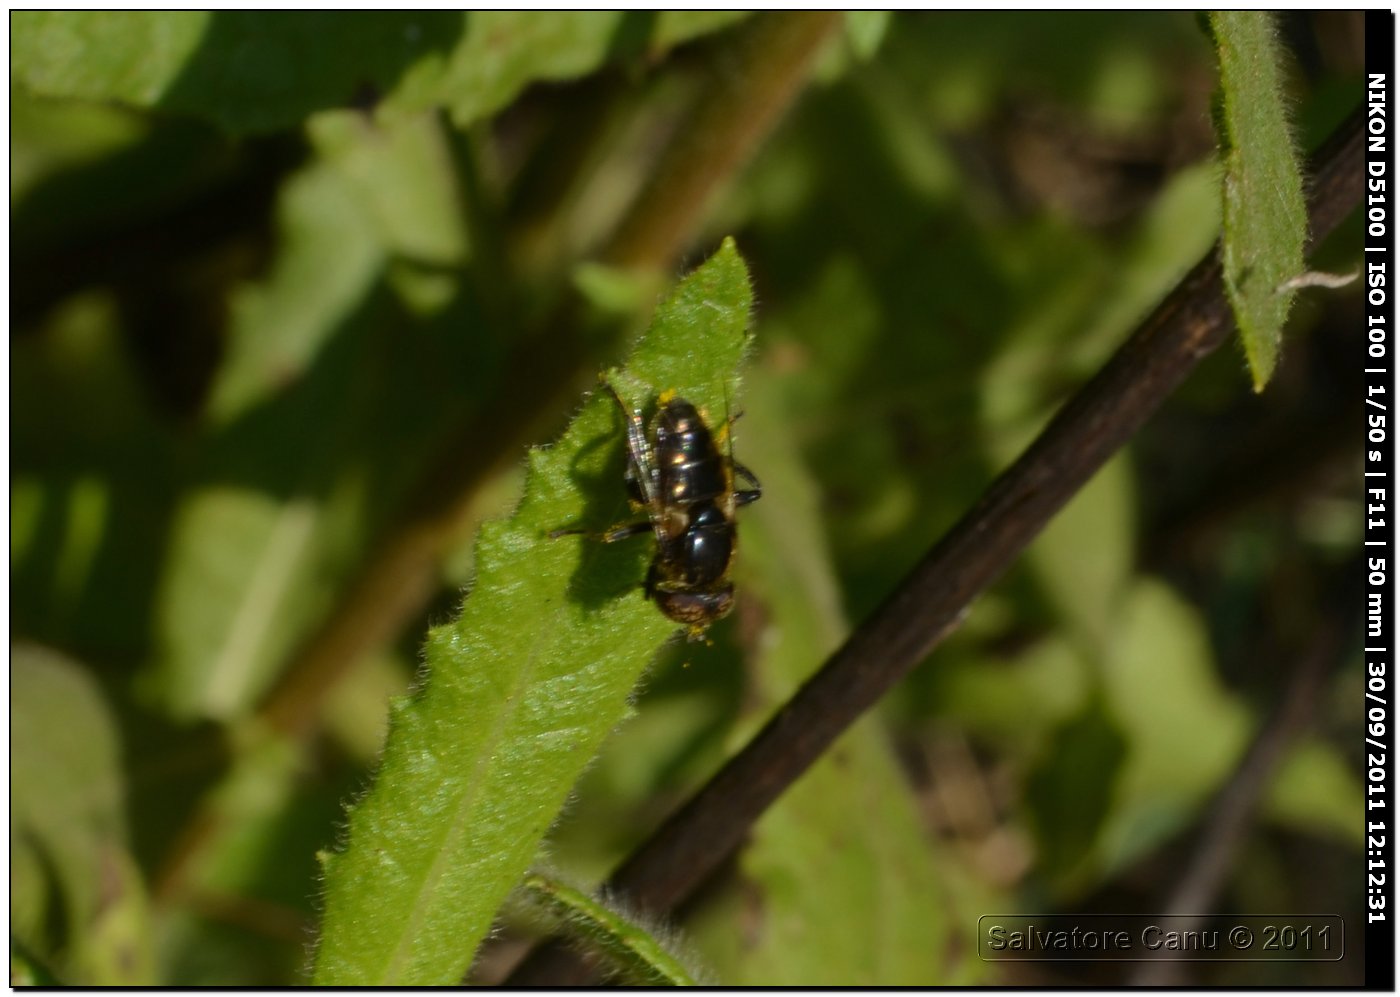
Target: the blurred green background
(290, 294)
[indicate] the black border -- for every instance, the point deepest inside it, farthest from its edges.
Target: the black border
(1378, 716)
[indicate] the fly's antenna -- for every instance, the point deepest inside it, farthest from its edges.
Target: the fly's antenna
(728, 430)
(728, 422)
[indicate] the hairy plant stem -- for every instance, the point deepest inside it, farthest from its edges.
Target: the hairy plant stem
(1193, 321)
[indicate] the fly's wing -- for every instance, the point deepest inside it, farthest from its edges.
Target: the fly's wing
(640, 463)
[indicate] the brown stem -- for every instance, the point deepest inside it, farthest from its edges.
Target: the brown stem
(753, 87)
(931, 601)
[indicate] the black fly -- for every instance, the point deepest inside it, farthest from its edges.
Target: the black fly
(677, 474)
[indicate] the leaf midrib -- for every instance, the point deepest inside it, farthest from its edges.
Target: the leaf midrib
(505, 719)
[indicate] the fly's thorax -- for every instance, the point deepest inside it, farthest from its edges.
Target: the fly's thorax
(675, 520)
(699, 556)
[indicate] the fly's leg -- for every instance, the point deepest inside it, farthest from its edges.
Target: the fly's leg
(722, 435)
(746, 495)
(620, 532)
(725, 437)
(626, 530)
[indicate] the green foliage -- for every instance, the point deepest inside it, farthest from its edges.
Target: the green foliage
(71, 871)
(257, 550)
(1316, 790)
(28, 971)
(292, 294)
(1265, 219)
(523, 687)
(1188, 731)
(634, 951)
(1072, 792)
(249, 71)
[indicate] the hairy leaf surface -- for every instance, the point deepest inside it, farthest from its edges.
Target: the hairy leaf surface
(522, 688)
(1265, 218)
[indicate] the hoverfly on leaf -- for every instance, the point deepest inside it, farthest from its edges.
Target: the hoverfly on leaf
(677, 475)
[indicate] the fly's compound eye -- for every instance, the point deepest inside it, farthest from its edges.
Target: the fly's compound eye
(694, 608)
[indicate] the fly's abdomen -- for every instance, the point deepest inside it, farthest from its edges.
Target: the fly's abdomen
(692, 469)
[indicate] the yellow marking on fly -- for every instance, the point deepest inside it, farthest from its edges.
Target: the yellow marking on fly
(666, 397)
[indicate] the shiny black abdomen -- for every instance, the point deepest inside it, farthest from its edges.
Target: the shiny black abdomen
(700, 556)
(690, 465)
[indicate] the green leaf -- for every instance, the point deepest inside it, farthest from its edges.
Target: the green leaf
(1317, 791)
(1184, 728)
(371, 195)
(1085, 556)
(270, 820)
(240, 583)
(48, 138)
(253, 71)
(1265, 218)
(119, 943)
(499, 53)
(1016, 701)
(522, 688)
(642, 958)
(129, 57)
(325, 403)
(1070, 792)
(27, 969)
(245, 70)
(68, 824)
(328, 261)
(865, 29)
(676, 26)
